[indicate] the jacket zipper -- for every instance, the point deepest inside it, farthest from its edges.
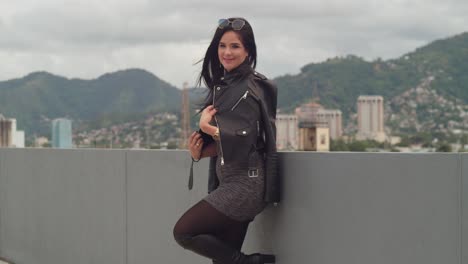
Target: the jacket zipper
(216, 120)
(258, 128)
(243, 97)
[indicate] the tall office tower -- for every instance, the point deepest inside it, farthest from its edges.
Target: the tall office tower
(286, 132)
(334, 120)
(13, 124)
(61, 133)
(17, 136)
(6, 133)
(370, 118)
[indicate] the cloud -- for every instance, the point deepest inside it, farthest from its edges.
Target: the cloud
(86, 38)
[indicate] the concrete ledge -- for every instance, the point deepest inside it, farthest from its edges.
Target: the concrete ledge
(119, 207)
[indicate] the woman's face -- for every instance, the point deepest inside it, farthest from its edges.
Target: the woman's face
(231, 51)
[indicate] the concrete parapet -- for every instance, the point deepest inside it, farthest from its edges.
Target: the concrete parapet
(119, 206)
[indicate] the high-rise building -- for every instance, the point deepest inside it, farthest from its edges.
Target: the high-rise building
(286, 132)
(334, 119)
(17, 136)
(370, 118)
(61, 133)
(6, 133)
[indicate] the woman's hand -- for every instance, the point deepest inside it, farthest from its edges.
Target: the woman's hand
(195, 145)
(205, 119)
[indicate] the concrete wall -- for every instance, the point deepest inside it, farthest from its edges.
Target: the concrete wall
(119, 206)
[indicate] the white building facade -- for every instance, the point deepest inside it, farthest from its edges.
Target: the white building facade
(334, 120)
(286, 132)
(370, 118)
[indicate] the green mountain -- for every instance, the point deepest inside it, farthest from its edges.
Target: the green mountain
(41, 96)
(437, 71)
(339, 81)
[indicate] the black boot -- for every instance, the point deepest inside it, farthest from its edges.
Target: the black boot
(260, 258)
(211, 247)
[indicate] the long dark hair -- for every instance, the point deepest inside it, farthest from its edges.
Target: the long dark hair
(212, 69)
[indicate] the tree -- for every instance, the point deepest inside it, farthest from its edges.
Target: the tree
(338, 145)
(172, 145)
(358, 146)
(444, 147)
(463, 142)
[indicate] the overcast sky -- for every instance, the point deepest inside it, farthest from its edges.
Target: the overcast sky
(87, 38)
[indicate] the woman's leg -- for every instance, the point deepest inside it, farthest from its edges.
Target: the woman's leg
(196, 230)
(202, 218)
(234, 237)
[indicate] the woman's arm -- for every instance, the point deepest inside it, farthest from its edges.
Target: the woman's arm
(197, 147)
(208, 130)
(206, 118)
(209, 151)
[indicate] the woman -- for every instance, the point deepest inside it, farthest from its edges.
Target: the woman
(237, 131)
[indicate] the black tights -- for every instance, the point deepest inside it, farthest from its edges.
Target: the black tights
(203, 219)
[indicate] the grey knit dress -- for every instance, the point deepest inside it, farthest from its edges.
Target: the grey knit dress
(238, 196)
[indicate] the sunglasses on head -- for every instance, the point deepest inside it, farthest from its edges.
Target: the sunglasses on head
(236, 24)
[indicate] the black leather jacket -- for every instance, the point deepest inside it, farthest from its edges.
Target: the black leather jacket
(246, 112)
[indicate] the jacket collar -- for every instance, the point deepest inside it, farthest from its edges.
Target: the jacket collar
(238, 73)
